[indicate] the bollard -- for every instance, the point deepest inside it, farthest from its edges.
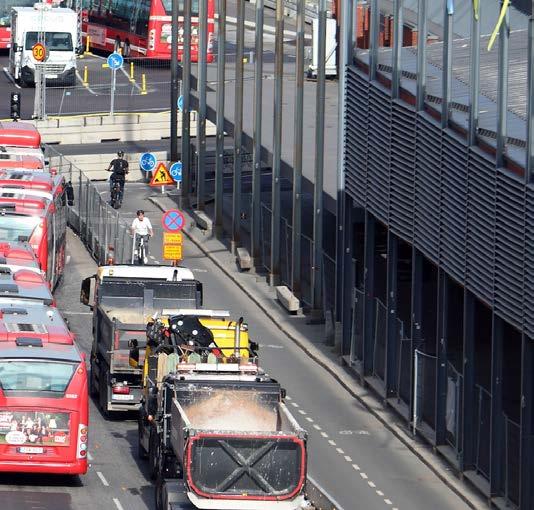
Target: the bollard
(143, 84)
(132, 79)
(87, 46)
(85, 76)
(119, 50)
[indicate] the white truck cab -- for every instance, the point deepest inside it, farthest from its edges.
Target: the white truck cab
(57, 29)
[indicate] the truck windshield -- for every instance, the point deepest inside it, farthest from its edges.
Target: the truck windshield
(54, 41)
(17, 228)
(35, 377)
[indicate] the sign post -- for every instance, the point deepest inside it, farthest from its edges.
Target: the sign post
(39, 54)
(173, 221)
(115, 61)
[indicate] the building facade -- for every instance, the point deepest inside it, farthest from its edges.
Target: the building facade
(439, 239)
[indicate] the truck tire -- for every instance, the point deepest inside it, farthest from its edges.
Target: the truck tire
(103, 394)
(93, 390)
(153, 454)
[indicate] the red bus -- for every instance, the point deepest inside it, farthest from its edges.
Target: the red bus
(5, 19)
(41, 222)
(44, 411)
(23, 286)
(142, 28)
(22, 178)
(19, 134)
(20, 161)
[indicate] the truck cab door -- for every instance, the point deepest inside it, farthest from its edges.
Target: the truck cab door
(87, 293)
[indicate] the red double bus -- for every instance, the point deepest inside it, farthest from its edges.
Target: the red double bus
(41, 222)
(22, 178)
(21, 161)
(5, 19)
(44, 411)
(19, 134)
(23, 286)
(18, 255)
(142, 28)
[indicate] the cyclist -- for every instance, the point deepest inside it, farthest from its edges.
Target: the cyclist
(119, 167)
(141, 227)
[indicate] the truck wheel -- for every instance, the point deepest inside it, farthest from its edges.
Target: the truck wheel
(142, 453)
(153, 454)
(103, 395)
(93, 390)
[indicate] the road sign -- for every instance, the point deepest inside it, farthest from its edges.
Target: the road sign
(176, 171)
(161, 176)
(147, 162)
(181, 103)
(39, 52)
(173, 238)
(173, 221)
(115, 61)
(172, 251)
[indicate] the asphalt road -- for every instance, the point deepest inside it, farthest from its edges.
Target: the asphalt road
(351, 454)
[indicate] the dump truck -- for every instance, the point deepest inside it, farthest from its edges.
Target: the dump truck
(212, 423)
(122, 298)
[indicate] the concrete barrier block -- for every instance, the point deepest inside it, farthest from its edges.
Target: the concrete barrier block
(287, 299)
(202, 220)
(244, 260)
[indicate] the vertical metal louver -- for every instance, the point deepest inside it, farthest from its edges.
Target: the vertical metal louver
(480, 263)
(401, 188)
(378, 159)
(453, 206)
(427, 186)
(529, 263)
(356, 129)
(509, 248)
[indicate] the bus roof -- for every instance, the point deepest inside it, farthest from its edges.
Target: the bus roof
(19, 191)
(33, 321)
(27, 178)
(17, 253)
(23, 284)
(19, 134)
(21, 161)
(52, 352)
(23, 204)
(132, 272)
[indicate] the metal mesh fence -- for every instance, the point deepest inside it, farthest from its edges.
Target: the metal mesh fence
(100, 226)
(356, 344)
(482, 428)
(512, 448)
(379, 350)
(424, 389)
(453, 413)
(404, 364)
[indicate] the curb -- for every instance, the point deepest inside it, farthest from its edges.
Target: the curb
(345, 380)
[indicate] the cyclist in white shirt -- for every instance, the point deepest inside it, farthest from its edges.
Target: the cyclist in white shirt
(141, 227)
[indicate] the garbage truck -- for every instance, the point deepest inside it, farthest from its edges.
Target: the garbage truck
(122, 298)
(212, 423)
(56, 28)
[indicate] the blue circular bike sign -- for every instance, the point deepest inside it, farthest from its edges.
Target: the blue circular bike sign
(115, 61)
(181, 103)
(176, 171)
(147, 161)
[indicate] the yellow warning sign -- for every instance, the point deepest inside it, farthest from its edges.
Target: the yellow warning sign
(173, 238)
(172, 251)
(161, 176)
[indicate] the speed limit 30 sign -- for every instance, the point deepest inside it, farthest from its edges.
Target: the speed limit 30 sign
(39, 52)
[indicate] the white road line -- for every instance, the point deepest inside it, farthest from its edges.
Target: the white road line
(340, 451)
(102, 479)
(356, 467)
(332, 442)
(309, 419)
(364, 476)
(128, 77)
(288, 398)
(302, 412)
(348, 459)
(152, 257)
(67, 312)
(388, 502)
(380, 493)
(317, 427)
(91, 91)
(10, 78)
(324, 434)
(118, 504)
(89, 457)
(294, 404)
(371, 484)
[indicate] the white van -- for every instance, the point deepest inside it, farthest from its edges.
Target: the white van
(59, 29)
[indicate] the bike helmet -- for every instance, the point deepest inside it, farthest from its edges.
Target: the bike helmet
(120, 154)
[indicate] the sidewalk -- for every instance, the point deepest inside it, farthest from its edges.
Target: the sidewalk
(310, 338)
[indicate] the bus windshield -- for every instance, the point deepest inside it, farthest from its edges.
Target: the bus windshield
(167, 5)
(54, 41)
(35, 377)
(17, 228)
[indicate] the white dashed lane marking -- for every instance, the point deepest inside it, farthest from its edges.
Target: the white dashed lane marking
(118, 504)
(102, 479)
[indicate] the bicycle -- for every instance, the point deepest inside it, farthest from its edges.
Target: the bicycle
(140, 252)
(116, 195)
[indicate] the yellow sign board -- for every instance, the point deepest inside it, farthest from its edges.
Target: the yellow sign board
(39, 52)
(173, 238)
(161, 176)
(172, 251)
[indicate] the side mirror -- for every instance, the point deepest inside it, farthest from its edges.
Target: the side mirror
(133, 360)
(85, 291)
